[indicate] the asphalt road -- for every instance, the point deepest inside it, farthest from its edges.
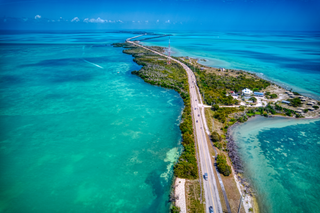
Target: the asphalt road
(210, 186)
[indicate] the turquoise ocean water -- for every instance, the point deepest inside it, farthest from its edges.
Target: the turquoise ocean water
(79, 133)
(281, 161)
(281, 156)
(292, 59)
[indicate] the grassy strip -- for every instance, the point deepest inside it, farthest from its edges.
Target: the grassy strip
(193, 196)
(156, 71)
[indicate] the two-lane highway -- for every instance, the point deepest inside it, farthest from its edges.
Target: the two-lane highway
(210, 185)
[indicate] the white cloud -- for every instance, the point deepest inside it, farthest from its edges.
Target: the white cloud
(168, 21)
(92, 20)
(37, 17)
(99, 20)
(158, 21)
(147, 21)
(75, 19)
(133, 21)
(120, 21)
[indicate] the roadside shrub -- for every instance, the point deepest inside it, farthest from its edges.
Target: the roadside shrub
(215, 107)
(295, 93)
(305, 110)
(215, 137)
(316, 107)
(223, 166)
(218, 145)
(175, 209)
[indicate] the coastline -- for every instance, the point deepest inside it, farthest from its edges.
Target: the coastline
(186, 167)
(232, 153)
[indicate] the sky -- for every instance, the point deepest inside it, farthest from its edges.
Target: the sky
(278, 15)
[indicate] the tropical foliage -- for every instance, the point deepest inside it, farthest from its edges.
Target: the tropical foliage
(222, 165)
(214, 87)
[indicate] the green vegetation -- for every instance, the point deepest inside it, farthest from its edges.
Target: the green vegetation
(222, 113)
(215, 137)
(175, 209)
(253, 99)
(318, 103)
(295, 102)
(156, 71)
(271, 96)
(316, 107)
(215, 107)
(193, 197)
(214, 87)
(295, 93)
(305, 110)
(223, 166)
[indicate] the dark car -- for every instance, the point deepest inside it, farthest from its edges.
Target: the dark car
(197, 121)
(205, 176)
(210, 209)
(198, 115)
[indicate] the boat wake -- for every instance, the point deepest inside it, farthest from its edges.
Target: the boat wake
(93, 64)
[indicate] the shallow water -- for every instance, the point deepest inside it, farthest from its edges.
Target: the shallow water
(281, 156)
(79, 133)
(292, 59)
(281, 161)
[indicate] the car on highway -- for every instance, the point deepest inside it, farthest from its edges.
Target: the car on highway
(198, 115)
(205, 176)
(211, 209)
(197, 121)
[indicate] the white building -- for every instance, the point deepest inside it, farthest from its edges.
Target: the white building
(246, 92)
